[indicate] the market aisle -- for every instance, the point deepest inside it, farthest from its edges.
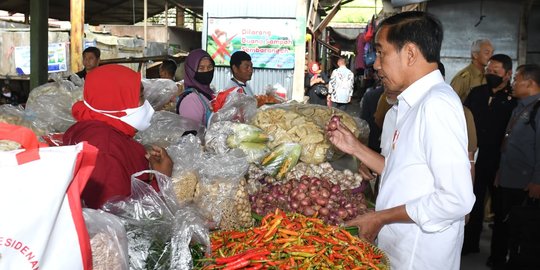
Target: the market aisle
(354, 107)
(477, 261)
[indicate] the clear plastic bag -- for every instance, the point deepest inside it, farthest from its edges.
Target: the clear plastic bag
(108, 240)
(282, 159)
(167, 128)
(15, 115)
(223, 136)
(220, 193)
(238, 108)
(216, 137)
(159, 91)
(254, 152)
(181, 187)
(77, 81)
(304, 124)
(148, 222)
(189, 230)
(49, 105)
(157, 238)
(363, 129)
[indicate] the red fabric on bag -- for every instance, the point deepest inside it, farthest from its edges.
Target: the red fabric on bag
(119, 157)
(109, 88)
(22, 135)
(221, 97)
(84, 166)
(25, 137)
(27, 156)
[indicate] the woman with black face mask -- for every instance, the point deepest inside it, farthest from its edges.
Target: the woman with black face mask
(194, 102)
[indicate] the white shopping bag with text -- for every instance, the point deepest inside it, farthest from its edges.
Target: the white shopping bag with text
(41, 221)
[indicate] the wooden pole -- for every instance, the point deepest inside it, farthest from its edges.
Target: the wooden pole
(167, 25)
(145, 27)
(523, 31)
(39, 43)
(76, 46)
(180, 17)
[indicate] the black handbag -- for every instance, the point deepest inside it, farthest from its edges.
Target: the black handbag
(320, 89)
(524, 235)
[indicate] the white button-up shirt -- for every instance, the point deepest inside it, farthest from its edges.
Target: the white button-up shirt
(341, 85)
(389, 126)
(428, 170)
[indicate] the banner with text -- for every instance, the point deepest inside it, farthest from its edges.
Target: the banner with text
(57, 59)
(269, 41)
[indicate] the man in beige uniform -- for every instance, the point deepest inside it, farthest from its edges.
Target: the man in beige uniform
(473, 74)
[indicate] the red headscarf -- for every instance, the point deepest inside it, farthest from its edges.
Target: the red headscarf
(314, 68)
(109, 88)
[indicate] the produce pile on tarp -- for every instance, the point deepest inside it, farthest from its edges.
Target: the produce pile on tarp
(304, 124)
(293, 241)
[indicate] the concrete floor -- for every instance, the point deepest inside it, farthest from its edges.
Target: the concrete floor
(477, 261)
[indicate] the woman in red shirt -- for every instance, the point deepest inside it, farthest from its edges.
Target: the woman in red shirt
(112, 110)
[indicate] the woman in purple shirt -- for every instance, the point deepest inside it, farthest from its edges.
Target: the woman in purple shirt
(194, 102)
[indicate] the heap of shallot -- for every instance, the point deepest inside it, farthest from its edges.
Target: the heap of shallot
(309, 196)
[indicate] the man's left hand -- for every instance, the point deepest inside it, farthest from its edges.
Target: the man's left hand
(365, 172)
(369, 225)
(534, 190)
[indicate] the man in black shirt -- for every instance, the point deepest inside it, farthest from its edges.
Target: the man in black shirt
(91, 56)
(491, 105)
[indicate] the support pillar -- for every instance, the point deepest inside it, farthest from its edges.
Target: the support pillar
(299, 51)
(39, 43)
(76, 45)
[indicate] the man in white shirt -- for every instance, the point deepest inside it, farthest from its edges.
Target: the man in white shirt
(389, 124)
(426, 188)
(242, 70)
(340, 88)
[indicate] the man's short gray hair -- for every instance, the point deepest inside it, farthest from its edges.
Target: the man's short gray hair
(475, 47)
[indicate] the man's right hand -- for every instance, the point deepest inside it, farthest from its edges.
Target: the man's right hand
(342, 138)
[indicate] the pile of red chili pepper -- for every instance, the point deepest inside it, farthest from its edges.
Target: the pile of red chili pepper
(292, 241)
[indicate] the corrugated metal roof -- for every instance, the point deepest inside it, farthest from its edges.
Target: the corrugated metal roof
(104, 11)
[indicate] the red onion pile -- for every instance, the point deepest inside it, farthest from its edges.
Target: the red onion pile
(308, 196)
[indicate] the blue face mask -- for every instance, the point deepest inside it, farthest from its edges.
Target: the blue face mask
(139, 118)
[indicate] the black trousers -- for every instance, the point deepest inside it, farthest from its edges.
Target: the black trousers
(486, 168)
(503, 201)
